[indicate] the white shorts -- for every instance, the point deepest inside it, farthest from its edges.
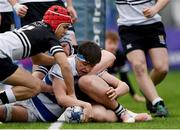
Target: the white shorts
(32, 112)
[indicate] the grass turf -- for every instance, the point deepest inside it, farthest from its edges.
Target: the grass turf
(168, 89)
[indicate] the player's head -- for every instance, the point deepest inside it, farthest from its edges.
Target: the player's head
(111, 42)
(58, 18)
(88, 55)
(66, 43)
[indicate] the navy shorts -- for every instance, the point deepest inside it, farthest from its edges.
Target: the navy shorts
(7, 68)
(143, 37)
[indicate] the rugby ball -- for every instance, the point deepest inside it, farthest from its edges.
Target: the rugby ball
(73, 114)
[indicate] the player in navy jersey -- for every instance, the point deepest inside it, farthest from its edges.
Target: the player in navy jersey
(31, 41)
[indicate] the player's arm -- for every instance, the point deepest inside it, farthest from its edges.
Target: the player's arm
(43, 59)
(62, 61)
(71, 10)
(107, 59)
(117, 87)
(40, 72)
(20, 9)
(60, 92)
(151, 11)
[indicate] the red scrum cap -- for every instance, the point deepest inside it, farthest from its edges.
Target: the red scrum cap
(56, 15)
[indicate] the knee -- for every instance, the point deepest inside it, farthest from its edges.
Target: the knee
(139, 67)
(161, 69)
(85, 82)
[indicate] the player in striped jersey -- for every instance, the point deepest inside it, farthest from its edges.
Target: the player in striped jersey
(49, 106)
(31, 41)
(142, 32)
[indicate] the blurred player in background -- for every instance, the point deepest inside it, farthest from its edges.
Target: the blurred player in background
(6, 16)
(33, 10)
(120, 66)
(141, 31)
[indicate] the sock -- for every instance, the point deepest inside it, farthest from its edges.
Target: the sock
(119, 110)
(157, 100)
(7, 96)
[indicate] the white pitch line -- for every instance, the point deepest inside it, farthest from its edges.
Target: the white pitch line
(57, 125)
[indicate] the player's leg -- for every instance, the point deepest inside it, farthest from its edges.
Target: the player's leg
(136, 97)
(96, 89)
(101, 114)
(138, 62)
(10, 112)
(159, 58)
(24, 86)
(21, 111)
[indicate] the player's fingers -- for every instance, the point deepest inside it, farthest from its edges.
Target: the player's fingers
(110, 90)
(112, 95)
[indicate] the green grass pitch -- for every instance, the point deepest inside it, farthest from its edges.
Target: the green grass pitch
(169, 89)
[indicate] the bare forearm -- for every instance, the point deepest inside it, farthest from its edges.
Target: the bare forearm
(69, 3)
(107, 60)
(68, 78)
(122, 88)
(61, 59)
(67, 101)
(161, 4)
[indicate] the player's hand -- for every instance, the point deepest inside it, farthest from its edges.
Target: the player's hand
(149, 11)
(111, 93)
(88, 112)
(73, 13)
(21, 10)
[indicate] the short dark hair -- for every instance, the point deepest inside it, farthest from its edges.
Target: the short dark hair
(91, 52)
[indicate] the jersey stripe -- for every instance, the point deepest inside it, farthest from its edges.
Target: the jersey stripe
(45, 113)
(25, 42)
(42, 69)
(22, 43)
(28, 44)
(132, 2)
(56, 49)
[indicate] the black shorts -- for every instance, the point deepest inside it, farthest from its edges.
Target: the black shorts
(80, 95)
(142, 37)
(36, 11)
(7, 68)
(6, 21)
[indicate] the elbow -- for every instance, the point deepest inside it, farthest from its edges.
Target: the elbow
(110, 57)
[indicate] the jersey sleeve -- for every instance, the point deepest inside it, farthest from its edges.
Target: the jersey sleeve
(43, 69)
(55, 46)
(56, 72)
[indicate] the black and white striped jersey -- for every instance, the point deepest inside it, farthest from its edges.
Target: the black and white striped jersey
(27, 1)
(29, 40)
(131, 12)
